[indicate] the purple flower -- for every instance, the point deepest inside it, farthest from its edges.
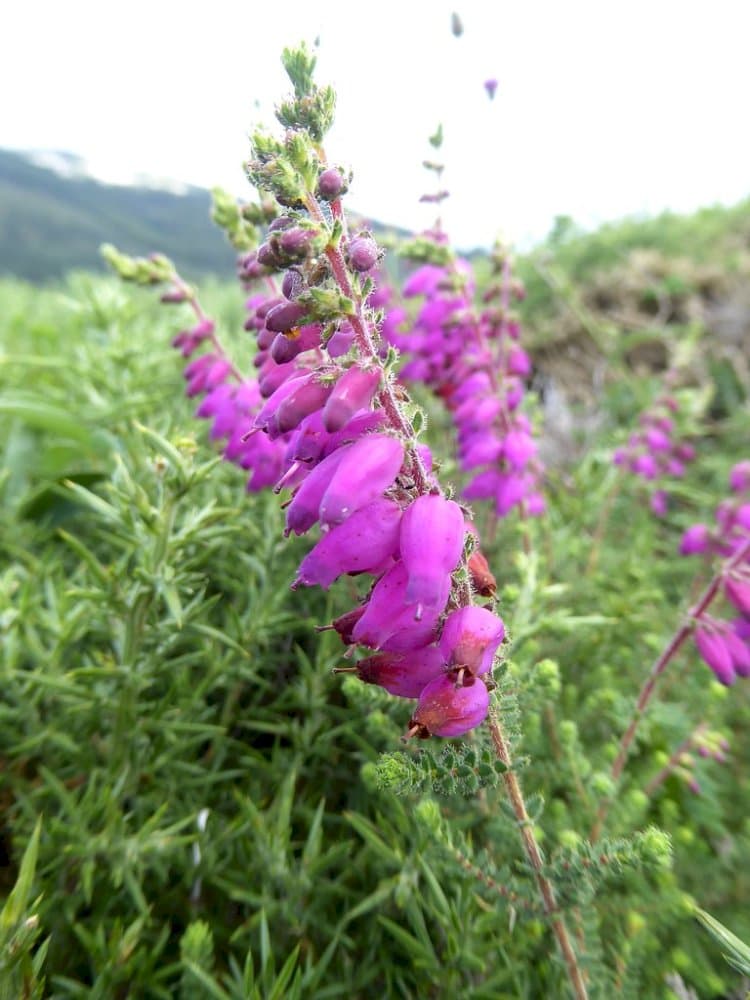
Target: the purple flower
(739, 477)
(403, 674)
(353, 392)
(361, 544)
(447, 710)
(659, 503)
(363, 253)
(304, 510)
(432, 540)
(367, 469)
(737, 591)
(715, 652)
(470, 638)
(388, 622)
(491, 87)
(695, 540)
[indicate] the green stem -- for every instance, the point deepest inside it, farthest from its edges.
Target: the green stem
(534, 856)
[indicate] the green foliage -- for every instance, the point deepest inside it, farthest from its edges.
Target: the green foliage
(737, 952)
(224, 817)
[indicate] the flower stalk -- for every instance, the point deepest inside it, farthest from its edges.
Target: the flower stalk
(649, 685)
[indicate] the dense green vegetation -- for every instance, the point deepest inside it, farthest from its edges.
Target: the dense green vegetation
(216, 819)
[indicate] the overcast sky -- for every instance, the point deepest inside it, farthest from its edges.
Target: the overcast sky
(603, 108)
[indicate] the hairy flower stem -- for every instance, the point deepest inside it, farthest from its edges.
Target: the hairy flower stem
(647, 690)
(534, 856)
(362, 332)
(192, 300)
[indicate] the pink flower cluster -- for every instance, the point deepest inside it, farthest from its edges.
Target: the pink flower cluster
(352, 473)
(655, 452)
(321, 420)
(229, 401)
(474, 363)
(725, 644)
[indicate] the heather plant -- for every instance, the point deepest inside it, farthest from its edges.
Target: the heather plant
(221, 813)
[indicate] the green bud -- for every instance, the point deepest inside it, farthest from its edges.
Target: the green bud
(637, 800)
(569, 839)
(568, 732)
(547, 675)
(370, 775)
(655, 847)
(428, 813)
(602, 784)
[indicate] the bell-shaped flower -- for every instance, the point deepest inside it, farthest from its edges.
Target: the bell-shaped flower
(352, 392)
(737, 591)
(389, 623)
(715, 652)
(432, 539)
(304, 510)
(470, 638)
(403, 674)
(368, 468)
(447, 710)
(739, 652)
(358, 545)
(695, 540)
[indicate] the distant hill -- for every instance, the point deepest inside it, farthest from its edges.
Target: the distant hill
(54, 217)
(52, 223)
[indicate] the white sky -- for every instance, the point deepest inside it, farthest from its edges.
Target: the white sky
(603, 108)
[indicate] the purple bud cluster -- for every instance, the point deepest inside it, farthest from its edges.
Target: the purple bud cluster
(472, 360)
(656, 453)
(725, 644)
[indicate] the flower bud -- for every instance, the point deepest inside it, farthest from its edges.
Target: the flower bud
(268, 255)
(297, 243)
(331, 184)
(346, 622)
(470, 638)
(279, 223)
(292, 284)
(446, 710)
(482, 579)
(363, 253)
(285, 316)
